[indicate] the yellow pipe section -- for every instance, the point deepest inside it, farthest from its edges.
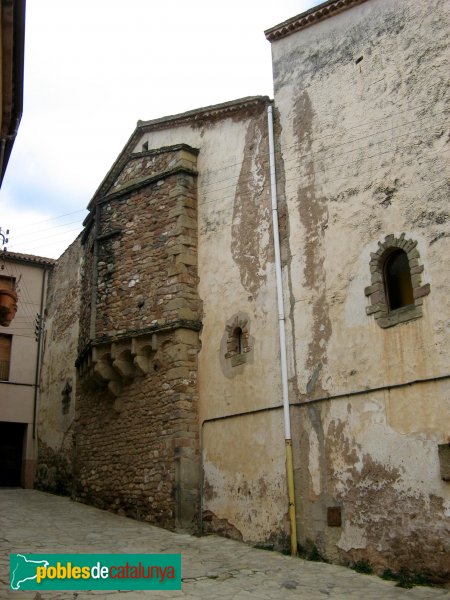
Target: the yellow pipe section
(291, 496)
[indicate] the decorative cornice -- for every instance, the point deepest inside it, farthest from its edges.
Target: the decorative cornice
(12, 36)
(163, 149)
(310, 17)
(207, 113)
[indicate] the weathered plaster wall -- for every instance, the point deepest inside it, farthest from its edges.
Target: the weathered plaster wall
(378, 462)
(236, 280)
(363, 99)
(58, 376)
(245, 493)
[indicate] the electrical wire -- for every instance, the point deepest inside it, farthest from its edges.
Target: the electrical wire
(212, 186)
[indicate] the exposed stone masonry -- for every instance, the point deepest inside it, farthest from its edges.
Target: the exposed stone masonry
(86, 287)
(137, 453)
(137, 430)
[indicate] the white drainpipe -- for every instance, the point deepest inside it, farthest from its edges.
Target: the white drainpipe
(283, 355)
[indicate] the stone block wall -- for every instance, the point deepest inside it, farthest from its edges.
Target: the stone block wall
(136, 442)
(87, 270)
(137, 453)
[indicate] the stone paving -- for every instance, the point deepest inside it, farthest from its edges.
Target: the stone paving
(213, 567)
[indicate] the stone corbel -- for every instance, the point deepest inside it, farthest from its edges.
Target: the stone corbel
(103, 370)
(122, 360)
(142, 351)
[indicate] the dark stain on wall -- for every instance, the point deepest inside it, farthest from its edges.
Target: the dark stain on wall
(402, 530)
(313, 213)
(54, 472)
(251, 211)
(312, 507)
(213, 524)
(318, 60)
(209, 492)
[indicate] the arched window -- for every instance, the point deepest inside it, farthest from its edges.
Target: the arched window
(237, 343)
(397, 279)
(396, 292)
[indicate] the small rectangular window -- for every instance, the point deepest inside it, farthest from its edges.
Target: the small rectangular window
(5, 356)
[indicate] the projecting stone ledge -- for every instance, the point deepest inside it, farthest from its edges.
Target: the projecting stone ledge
(115, 361)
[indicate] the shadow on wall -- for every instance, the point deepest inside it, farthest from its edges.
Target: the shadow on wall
(54, 473)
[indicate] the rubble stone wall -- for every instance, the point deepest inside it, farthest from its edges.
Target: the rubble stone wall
(58, 375)
(136, 441)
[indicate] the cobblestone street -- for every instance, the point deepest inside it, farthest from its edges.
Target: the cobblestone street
(213, 567)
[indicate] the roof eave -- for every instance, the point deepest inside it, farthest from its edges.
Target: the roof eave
(310, 17)
(28, 258)
(13, 41)
(215, 111)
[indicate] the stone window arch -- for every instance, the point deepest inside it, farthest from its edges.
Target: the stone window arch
(237, 345)
(396, 292)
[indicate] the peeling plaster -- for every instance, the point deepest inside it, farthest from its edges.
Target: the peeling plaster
(313, 213)
(314, 464)
(251, 230)
(352, 537)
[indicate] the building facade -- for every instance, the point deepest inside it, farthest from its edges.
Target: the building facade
(20, 352)
(362, 99)
(170, 329)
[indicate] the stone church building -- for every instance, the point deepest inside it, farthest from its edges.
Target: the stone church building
(162, 393)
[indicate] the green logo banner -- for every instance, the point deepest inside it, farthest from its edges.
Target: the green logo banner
(95, 571)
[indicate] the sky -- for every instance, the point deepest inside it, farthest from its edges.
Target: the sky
(93, 68)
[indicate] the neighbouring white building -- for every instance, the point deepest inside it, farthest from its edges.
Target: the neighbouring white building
(20, 365)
